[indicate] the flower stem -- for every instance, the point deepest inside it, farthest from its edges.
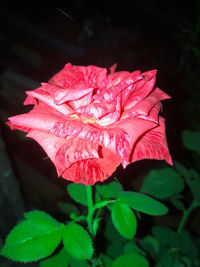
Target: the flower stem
(186, 214)
(90, 209)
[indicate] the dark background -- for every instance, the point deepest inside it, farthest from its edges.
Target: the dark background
(37, 39)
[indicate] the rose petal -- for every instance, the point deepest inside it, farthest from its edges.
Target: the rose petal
(30, 101)
(119, 82)
(115, 139)
(35, 120)
(74, 150)
(113, 116)
(119, 138)
(50, 143)
(61, 95)
(95, 110)
(93, 170)
(81, 102)
(142, 88)
(113, 68)
(71, 76)
(152, 145)
(114, 78)
(64, 152)
(66, 77)
(18, 127)
(134, 128)
(152, 116)
(72, 94)
(143, 108)
(46, 98)
(95, 76)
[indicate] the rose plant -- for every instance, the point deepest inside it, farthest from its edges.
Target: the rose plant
(89, 120)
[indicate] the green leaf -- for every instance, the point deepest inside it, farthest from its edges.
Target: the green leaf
(31, 241)
(107, 260)
(97, 197)
(187, 261)
(110, 233)
(182, 170)
(188, 245)
(68, 208)
(124, 220)
(77, 241)
(130, 260)
(114, 249)
(110, 190)
(132, 247)
(162, 183)
(61, 259)
(176, 202)
(78, 263)
(170, 260)
(78, 193)
(191, 140)
(166, 236)
(143, 203)
(151, 245)
(194, 185)
(42, 218)
(114, 241)
(194, 174)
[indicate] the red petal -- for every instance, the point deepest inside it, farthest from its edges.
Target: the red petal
(114, 139)
(108, 138)
(95, 110)
(118, 82)
(66, 77)
(17, 127)
(72, 94)
(81, 102)
(50, 143)
(144, 108)
(74, 150)
(61, 95)
(93, 170)
(152, 145)
(35, 120)
(64, 152)
(95, 76)
(134, 129)
(30, 101)
(142, 88)
(152, 116)
(71, 76)
(113, 68)
(46, 98)
(113, 116)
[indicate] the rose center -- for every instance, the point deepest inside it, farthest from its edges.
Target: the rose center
(85, 120)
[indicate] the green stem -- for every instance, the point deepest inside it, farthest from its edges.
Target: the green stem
(186, 214)
(90, 209)
(98, 213)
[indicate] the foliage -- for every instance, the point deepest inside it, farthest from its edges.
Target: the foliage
(34, 238)
(162, 183)
(116, 216)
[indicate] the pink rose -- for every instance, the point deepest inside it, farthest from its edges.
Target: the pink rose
(89, 121)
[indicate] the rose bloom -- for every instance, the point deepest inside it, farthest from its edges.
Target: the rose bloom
(89, 120)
